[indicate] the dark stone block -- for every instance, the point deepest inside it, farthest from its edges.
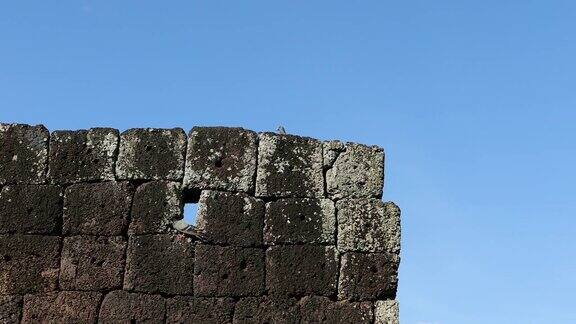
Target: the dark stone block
(61, 307)
(300, 220)
(230, 218)
(10, 309)
(151, 154)
(289, 166)
(97, 208)
(156, 206)
(28, 263)
(228, 271)
(266, 310)
(92, 263)
(368, 276)
(300, 270)
(188, 309)
(221, 158)
(33, 209)
(160, 264)
(83, 155)
(315, 309)
(23, 153)
(124, 307)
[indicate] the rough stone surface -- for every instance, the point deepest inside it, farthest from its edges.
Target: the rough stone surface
(230, 218)
(301, 270)
(160, 264)
(124, 307)
(300, 220)
(289, 166)
(188, 309)
(23, 153)
(61, 307)
(368, 276)
(151, 154)
(28, 263)
(266, 310)
(156, 206)
(353, 170)
(222, 158)
(33, 209)
(386, 312)
(368, 225)
(10, 309)
(83, 155)
(97, 208)
(315, 309)
(228, 271)
(92, 263)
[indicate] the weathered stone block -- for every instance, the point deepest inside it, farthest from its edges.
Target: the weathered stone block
(300, 220)
(156, 206)
(266, 310)
(151, 154)
(10, 309)
(300, 270)
(92, 263)
(83, 155)
(368, 276)
(353, 170)
(124, 307)
(188, 309)
(29, 263)
(160, 264)
(386, 312)
(222, 158)
(230, 218)
(316, 309)
(228, 271)
(289, 166)
(61, 307)
(33, 209)
(368, 225)
(97, 208)
(23, 153)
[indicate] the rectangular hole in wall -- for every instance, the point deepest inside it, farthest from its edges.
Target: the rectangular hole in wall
(190, 211)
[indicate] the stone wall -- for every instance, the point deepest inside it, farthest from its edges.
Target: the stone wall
(289, 229)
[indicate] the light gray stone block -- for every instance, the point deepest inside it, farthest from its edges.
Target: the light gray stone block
(386, 312)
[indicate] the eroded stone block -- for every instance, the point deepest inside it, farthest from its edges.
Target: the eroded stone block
(160, 263)
(151, 154)
(353, 170)
(230, 218)
(33, 209)
(228, 271)
(188, 309)
(266, 310)
(123, 307)
(10, 309)
(300, 220)
(97, 208)
(289, 166)
(316, 309)
(23, 153)
(300, 270)
(386, 312)
(92, 263)
(61, 307)
(29, 263)
(222, 158)
(368, 276)
(156, 206)
(83, 155)
(368, 225)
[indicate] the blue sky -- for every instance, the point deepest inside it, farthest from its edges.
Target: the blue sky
(473, 101)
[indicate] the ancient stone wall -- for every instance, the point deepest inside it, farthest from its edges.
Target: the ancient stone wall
(289, 229)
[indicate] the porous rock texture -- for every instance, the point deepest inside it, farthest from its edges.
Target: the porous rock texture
(289, 229)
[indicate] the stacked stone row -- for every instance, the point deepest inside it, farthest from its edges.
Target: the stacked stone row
(294, 228)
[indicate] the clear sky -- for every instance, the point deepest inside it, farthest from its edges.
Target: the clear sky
(473, 101)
